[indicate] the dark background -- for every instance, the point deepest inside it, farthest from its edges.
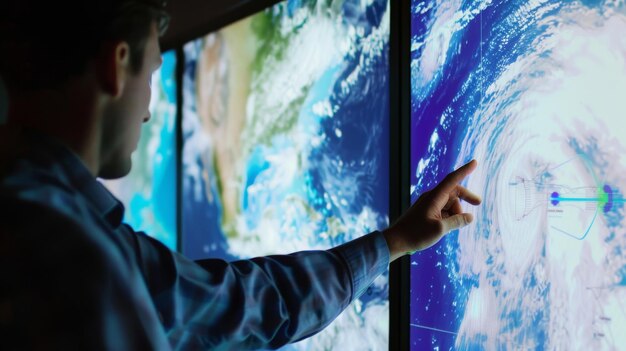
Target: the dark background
(194, 18)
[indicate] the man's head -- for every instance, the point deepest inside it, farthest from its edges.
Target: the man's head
(59, 49)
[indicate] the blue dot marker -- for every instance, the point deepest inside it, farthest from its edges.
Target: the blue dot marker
(555, 198)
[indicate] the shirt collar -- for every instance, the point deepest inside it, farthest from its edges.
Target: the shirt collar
(75, 174)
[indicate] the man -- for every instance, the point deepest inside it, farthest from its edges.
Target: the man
(75, 277)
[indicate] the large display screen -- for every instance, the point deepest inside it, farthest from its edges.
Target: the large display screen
(285, 131)
(536, 92)
(148, 192)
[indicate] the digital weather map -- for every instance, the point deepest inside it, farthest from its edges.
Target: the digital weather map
(536, 92)
(148, 192)
(286, 143)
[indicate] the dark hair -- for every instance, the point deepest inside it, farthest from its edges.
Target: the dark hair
(44, 43)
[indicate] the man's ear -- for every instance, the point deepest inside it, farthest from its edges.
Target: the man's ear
(114, 67)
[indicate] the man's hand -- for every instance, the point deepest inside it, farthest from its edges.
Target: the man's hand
(433, 215)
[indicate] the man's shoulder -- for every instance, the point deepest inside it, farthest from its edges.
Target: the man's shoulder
(47, 217)
(41, 188)
(30, 224)
(41, 246)
(38, 211)
(32, 220)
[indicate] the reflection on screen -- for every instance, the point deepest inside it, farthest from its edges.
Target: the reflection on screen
(149, 191)
(535, 92)
(286, 143)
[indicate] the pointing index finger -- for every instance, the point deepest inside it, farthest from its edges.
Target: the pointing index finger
(454, 178)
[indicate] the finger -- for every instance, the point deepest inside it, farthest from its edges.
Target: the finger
(461, 193)
(452, 202)
(456, 208)
(457, 221)
(453, 179)
(468, 196)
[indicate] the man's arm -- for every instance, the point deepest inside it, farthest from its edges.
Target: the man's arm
(267, 302)
(264, 302)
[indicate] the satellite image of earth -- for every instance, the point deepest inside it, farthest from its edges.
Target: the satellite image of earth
(536, 92)
(285, 131)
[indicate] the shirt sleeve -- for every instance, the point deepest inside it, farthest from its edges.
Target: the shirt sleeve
(264, 302)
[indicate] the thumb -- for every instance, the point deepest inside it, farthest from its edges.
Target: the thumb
(457, 221)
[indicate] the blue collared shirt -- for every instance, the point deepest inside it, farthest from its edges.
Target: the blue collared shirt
(76, 277)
